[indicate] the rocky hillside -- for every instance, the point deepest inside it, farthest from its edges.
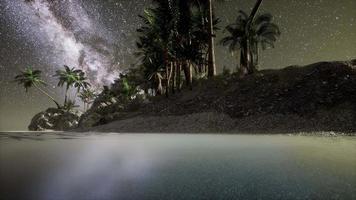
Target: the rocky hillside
(317, 97)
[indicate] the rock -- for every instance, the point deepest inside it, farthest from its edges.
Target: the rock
(54, 119)
(90, 119)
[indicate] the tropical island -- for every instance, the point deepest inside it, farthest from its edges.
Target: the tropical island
(176, 88)
(177, 99)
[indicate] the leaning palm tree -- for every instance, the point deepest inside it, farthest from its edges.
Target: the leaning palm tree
(68, 77)
(29, 78)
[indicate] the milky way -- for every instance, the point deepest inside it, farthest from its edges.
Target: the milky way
(99, 36)
(74, 38)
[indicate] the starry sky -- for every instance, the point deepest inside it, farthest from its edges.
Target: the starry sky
(98, 36)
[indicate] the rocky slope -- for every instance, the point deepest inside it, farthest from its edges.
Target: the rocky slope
(317, 97)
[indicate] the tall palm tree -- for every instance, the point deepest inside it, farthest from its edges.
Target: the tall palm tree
(201, 35)
(247, 33)
(68, 77)
(208, 4)
(156, 38)
(29, 78)
(211, 61)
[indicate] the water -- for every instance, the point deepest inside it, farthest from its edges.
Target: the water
(195, 167)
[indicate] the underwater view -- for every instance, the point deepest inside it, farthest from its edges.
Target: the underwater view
(155, 166)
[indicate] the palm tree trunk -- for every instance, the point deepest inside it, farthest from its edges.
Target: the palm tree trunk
(211, 59)
(243, 61)
(190, 75)
(254, 11)
(49, 96)
(254, 57)
(252, 63)
(257, 56)
(174, 77)
(159, 87)
(248, 57)
(168, 77)
(206, 62)
(179, 80)
(187, 73)
(66, 96)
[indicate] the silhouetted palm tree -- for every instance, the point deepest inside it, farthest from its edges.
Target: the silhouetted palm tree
(207, 5)
(211, 61)
(29, 78)
(201, 36)
(266, 33)
(156, 39)
(246, 36)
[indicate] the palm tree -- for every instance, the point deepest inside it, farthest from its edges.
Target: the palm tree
(174, 38)
(247, 33)
(157, 78)
(211, 62)
(29, 78)
(201, 36)
(81, 82)
(237, 39)
(208, 4)
(68, 77)
(264, 33)
(155, 36)
(87, 96)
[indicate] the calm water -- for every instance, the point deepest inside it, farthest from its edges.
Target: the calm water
(177, 167)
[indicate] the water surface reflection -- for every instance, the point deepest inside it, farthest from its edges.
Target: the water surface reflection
(177, 167)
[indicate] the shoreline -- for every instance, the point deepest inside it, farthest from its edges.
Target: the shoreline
(217, 123)
(68, 135)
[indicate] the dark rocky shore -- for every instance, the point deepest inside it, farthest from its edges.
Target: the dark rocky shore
(314, 98)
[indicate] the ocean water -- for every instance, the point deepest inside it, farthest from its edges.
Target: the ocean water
(156, 166)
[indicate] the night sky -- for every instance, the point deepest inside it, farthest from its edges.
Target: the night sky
(99, 37)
